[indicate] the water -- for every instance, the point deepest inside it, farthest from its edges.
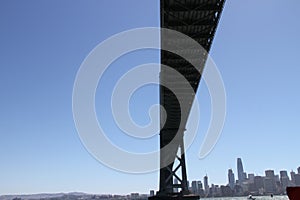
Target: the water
(245, 198)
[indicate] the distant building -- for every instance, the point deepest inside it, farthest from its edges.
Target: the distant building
(238, 190)
(194, 187)
(245, 186)
(206, 186)
(175, 182)
(270, 173)
(245, 175)
(258, 183)
(212, 190)
(151, 193)
(297, 179)
(293, 177)
(200, 186)
(231, 179)
(218, 191)
(240, 170)
(276, 177)
(200, 189)
(269, 185)
(134, 195)
(252, 189)
(251, 178)
(270, 182)
(283, 173)
(298, 169)
(226, 191)
(284, 183)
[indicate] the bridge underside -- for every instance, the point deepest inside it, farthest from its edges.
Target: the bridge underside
(197, 19)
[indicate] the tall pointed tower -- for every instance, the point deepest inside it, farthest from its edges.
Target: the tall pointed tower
(240, 169)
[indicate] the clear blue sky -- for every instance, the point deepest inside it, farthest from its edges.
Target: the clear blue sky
(42, 44)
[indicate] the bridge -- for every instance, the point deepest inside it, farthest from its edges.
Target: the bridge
(197, 19)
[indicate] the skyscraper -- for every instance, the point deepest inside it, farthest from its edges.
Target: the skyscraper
(283, 173)
(194, 187)
(270, 173)
(284, 179)
(231, 179)
(269, 181)
(258, 183)
(240, 169)
(206, 187)
(200, 186)
(269, 185)
(293, 177)
(297, 179)
(251, 178)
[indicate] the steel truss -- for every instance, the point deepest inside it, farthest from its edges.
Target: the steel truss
(197, 19)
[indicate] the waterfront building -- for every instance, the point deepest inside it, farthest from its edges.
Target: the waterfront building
(200, 186)
(276, 178)
(270, 181)
(297, 179)
(175, 190)
(134, 195)
(194, 187)
(218, 191)
(258, 183)
(240, 170)
(213, 190)
(206, 186)
(270, 173)
(151, 193)
(231, 179)
(269, 185)
(251, 178)
(284, 183)
(245, 176)
(226, 191)
(283, 173)
(293, 177)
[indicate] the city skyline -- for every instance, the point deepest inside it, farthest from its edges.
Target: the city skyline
(281, 171)
(270, 182)
(43, 44)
